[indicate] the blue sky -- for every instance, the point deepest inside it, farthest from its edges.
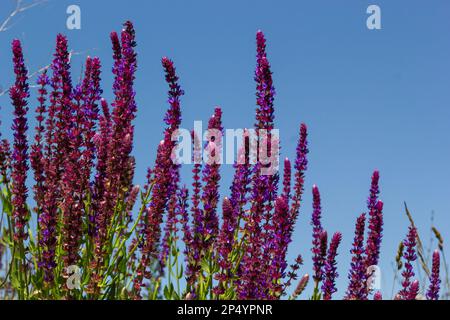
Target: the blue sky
(375, 99)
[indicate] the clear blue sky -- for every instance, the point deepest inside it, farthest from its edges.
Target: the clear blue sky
(372, 99)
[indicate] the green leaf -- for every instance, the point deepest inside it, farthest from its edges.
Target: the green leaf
(166, 293)
(205, 266)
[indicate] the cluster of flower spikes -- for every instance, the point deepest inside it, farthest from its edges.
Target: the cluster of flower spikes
(66, 146)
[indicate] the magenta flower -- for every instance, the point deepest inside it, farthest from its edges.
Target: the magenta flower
(5, 159)
(195, 245)
(55, 154)
(279, 244)
(250, 285)
(101, 141)
(374, 236)
(170, 227)
(242, 178)
(165, 177)
(357, 287)
(124, 112)
(301, 286)
(414, 290)
(224, 245)
(264, 86)
(287, 180)
(211, 179)
(91, 97)
(330, 271)
(37, 149)
(19, 94)
(377, 296)
(408, 291)
(435, 281)
(318, 234)
(300, 166)
(77, 165)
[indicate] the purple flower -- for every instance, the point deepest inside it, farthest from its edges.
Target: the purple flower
(124, 112)
(265, 93)
(414, 290)
(211, 179)
(193, 251)
(377, 296)
(255, 279)
(19, 94)
(374, 236)
(374, 191)
(242, 177)
(279, 244)
(407, 292)
(301, 286)
(170, 228)
(250, 285)
(165, 178)
(330, 272)
(90, 114)
(224, 246)
(264, 86)
(101, 141)
(56, 152)
(287, 179)
(317, 248)
(300, 166)
(435, 281)
(5, 159)
(37, 154)
(357, 287)
(80, 154)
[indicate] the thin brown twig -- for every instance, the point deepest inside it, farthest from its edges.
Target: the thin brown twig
(19, 8)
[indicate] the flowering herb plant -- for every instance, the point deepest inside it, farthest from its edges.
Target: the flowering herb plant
(162, 240)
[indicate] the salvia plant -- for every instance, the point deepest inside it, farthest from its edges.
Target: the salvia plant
(92, 234)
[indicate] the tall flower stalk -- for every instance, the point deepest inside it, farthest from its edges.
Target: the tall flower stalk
(357, 287)
(330, 270)
(408, 291)
(435, 281)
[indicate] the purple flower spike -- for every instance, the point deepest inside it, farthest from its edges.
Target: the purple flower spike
(56, 153)
(374, 191)
(19, 94)
(356, 288)
(435, 281)
(165, 177)
(287, 179)
(5, 159)
(37, 152)
(264, 86)
(300, 166)
(242, 177)
(211, 179)
(330, 273)
(225, 243)
(318, 254)
(410, 256)
(377, 296)
(301, 286)
(414, 290)
(278, 248)
(374, 236)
